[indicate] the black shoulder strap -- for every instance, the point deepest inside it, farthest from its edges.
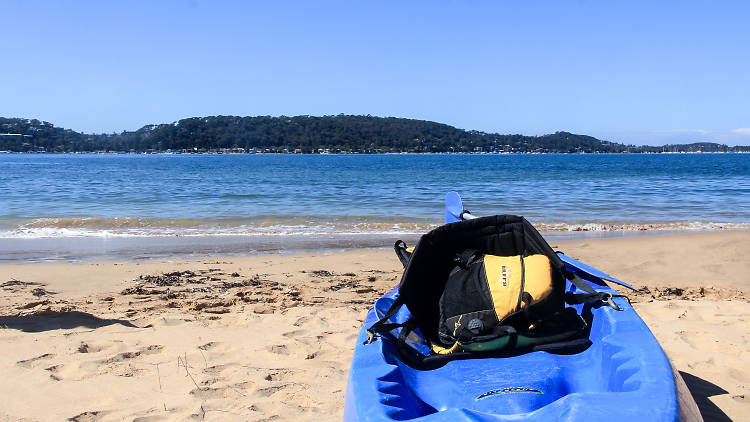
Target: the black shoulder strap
(383, 328)
(579, 282)
(403, 255)
(382, 325)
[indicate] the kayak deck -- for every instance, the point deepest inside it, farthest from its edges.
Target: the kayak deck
(623, 375)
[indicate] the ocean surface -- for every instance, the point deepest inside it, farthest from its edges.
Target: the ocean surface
(88, 206)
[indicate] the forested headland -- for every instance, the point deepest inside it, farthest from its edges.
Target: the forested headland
(310, 134)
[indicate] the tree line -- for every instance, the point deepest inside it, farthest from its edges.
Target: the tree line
(308, 134)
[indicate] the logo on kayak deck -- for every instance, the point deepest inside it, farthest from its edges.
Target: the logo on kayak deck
(508, 390)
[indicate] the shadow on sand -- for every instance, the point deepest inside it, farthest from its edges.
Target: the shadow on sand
(701, 390)
(58, 321)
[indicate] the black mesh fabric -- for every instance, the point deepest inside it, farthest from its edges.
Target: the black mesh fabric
(466, 295)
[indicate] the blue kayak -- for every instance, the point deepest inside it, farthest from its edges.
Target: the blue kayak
(623, 375)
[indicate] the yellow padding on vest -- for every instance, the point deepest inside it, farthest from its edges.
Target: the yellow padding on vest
(504, 279)
(440, 350)
(410, 249)
(538, 277)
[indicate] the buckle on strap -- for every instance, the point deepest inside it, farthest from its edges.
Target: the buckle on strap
(592, 298)
(611, 302)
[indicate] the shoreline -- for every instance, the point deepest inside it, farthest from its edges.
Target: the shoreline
(271, 336)
(82, 249)
(367, 153)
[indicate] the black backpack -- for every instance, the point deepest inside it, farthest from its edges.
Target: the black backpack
(446, 288)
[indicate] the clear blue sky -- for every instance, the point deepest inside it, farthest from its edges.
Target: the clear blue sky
(646, 72)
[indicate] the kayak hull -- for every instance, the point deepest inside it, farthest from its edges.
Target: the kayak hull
(623, 375)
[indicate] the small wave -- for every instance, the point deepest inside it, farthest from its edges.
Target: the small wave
(299, 226)
(662, 226)
(53, 233)
(139, 227)
(109, 223)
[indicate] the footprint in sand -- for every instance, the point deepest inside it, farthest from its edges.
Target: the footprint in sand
(54, 372)
(294, 334)
(168, 322)
(152, 349)
(215, 347)
(208, 346)
(300, 321)
(279, 349)
(299, 337)
(34, 362)
(151, 418)
(271, 390)
(72, 371)
(87, 348)
(695, 313)
(87, 417)
(689, 337)
(215, 369)
(278, 375)
(209, 393)
(124, 356)
(218, 389)
(244, 385)
(96, 347)
(121, 357)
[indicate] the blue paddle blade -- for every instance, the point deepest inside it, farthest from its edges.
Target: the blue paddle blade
(454, 207)
(580, 266)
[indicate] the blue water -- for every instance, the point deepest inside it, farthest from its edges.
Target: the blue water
(124, 195)
(376, 188)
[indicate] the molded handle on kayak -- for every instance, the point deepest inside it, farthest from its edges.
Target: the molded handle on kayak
(466, 215)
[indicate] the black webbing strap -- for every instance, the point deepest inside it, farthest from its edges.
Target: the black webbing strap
(403, 255)
(407, 327)
(579, 282)
(382, 326)
(575, 299)
(591, 295)
(523, 286)
(407, 354)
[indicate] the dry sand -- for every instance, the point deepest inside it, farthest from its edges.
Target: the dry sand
(271, 337)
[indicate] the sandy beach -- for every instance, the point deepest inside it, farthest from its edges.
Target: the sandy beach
(270, 337)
